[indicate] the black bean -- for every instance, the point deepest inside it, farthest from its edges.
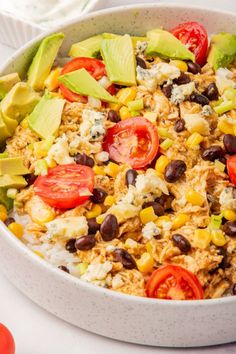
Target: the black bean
(140, 62)
(193, 68)
(83, 159)
(234, 289)
(224, 262)
(30, 178)
(182, 79)
(223, 160)
(212, 153)
(165, 200)
(211, 92)
(199, 98)
(70, 245)
(109, 228)
(93, 226)
(130, 177)
(122, 256)
(181, 242)
(113, 116)
(230, 228)
(64, 268)
(85, 243)
(98, 196)
(157, 207)
(229, 141)
(179, 125)
(174, 170)
(167, 90)
(9, 221)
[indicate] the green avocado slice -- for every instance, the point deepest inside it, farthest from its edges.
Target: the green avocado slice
(12, 166)
(80, 81)
(8, 202)
(8, 181)
(88, 48)
(7, 82)
(222, 50)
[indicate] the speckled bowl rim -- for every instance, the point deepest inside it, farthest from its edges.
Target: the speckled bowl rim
(70, 279)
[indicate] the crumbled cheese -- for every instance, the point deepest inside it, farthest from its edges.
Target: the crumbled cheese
(105, 82)
(102, 156)
(110, 248)
(123, 211)
(141, 47)
(117, 281)
(181, 92)
(228, 198)
(92, 125)
(194, 123)
(166, 225)
(206, 110)
(224, 80)
(150, 230)
(150, 182)
(59, 152)
(97, 271)
(66, 228)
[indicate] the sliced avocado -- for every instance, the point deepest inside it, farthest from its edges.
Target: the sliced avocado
(88, 48)
(80, 81)
(8, 202)
(8, 181)
(119, 58)
(43, 60)
(19, 101)
(133, 38)
(10, 123)
(7, 82)
(222, 50)
(46, 116)
(164, 44)
(12, 166)
(4, 132)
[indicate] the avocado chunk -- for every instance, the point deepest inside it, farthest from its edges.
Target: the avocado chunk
(7, 82)
(4, 131)
(12, 166)
(8, 181)
(46, 116)
(133, 38)
(119, 58)
(11, 124)
(8, 202)
(88, 48)
(222, 50)
(43, 60)
(80, 81)
(19, 101)
(164, 44)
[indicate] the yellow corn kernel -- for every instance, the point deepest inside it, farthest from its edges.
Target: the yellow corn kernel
(98, 170)
(100, 218)
(202, 238)
(130, 243)
(149, 247)
(112, 169)
(179, 221)
(51, 81)
(180, 64)
(39, 254)
(52, 164)
(194, 140)
(109, 200)
(146, 263)
(16, 229)
(220, 166)
(151, 116)
(126, 95)
(3, 209)
(161, 220)
(3, 216)
(225, 127)
(194, 197)
(24, 123)
(94, 212)
(124, 113)
(161, 164)
(148, 214)
(115, 106)
(218, 238)
(229, 215)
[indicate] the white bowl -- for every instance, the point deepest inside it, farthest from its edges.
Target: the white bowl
(123, 317)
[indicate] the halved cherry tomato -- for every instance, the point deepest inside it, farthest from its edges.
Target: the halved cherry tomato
(95, 67)
(65, 186)
(133, 141)
(231, 168)
(194, 35)
(7, 344)
(172, 282)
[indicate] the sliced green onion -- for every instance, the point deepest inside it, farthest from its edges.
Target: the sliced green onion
(216, 221)
(3, 155)
(41, 168)
(134, 113)
(230, 94)
(136, 105)
(218, 103)
(164, 133)
(11, 193)
(224, 107)
(166, 144)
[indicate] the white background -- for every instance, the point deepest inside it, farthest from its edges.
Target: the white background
(37, 332)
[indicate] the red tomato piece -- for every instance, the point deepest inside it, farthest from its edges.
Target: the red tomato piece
(171, 282)
(194, 35)
(7, 344)
(133, 141)
(231, 168)
(65, 186)
(95, 67)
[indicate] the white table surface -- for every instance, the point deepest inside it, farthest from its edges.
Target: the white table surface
(38, 332)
